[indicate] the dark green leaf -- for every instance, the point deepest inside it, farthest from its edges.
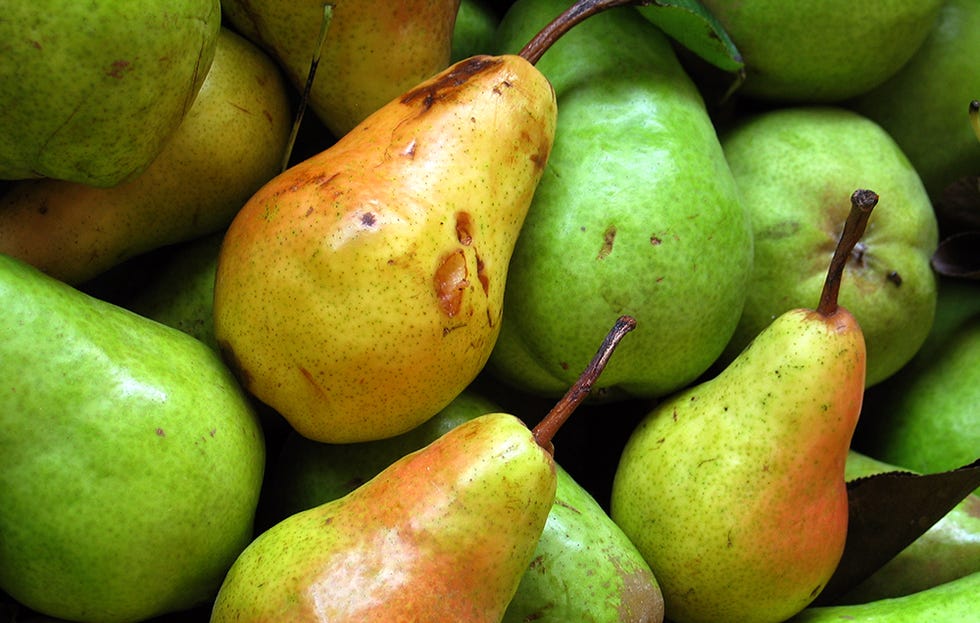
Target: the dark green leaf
(889, 511)
(694, 27)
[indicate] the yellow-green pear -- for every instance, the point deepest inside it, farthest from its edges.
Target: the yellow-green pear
(733, 490)
(373, 50)
(230, 142)
(91, 91)
(360, 290)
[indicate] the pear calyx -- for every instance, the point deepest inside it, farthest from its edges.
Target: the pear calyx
(549, 425)
(568, 19)
(862, 202)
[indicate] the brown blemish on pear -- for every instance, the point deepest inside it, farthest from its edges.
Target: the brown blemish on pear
(440, 90)
(451, 282)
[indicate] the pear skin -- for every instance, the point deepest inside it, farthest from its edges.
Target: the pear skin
(955, 600)
(229, 143)
(733, 490)
(91, 92)
(130, 459)
(360, 290)
(443, 534)
(373, 51)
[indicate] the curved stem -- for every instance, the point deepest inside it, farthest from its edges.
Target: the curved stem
(549, 425)
(862, 202)
(573, 15)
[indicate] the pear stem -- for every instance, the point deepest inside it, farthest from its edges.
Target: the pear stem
(545, 431)
(862, 202)
(974, 113)
(305, 97)
(572, 16)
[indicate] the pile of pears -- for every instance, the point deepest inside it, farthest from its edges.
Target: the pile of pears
(579, 311)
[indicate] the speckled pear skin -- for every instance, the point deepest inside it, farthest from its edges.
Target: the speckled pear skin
(733, 490)
(131, 460)
(361, 290)
(637, 208)
(374, 49)
(90, 92)
(584, 569)
(443, 534)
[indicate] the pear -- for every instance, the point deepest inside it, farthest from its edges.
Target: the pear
(180, 292)
(442, 534)
(927, 417)
(131, 460)
(91, 92)
(228, 144)
(584, 569)
(923, 106)
(794, 168)
(822, 51)
(361, 289)
(733, 489)
(955, 600)
(374, 49)
(637, 207)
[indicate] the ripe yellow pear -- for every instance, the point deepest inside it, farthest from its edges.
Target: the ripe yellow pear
(360, 290)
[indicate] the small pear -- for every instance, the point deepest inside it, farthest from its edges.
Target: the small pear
(361, 289)
(733, 490)
(443, 534)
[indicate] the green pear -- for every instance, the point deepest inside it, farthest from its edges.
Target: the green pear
(361, 289)
(374, 50)
(180, 293)
(130, 459)
(927, 417)
(822, 51)
(948, 550)
(924, 105)
(733, 489)
(636, 213)
(228, 144)
(91, 92)
(584, 569)
(474, 30)
(953, 601)
(794, 168)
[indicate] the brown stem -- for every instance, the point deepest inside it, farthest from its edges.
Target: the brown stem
(305, 96)
(545, 431)
(572, 16)
(862, 202)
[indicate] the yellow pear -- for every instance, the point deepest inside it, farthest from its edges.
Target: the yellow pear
(229, 143)
(358, 292)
